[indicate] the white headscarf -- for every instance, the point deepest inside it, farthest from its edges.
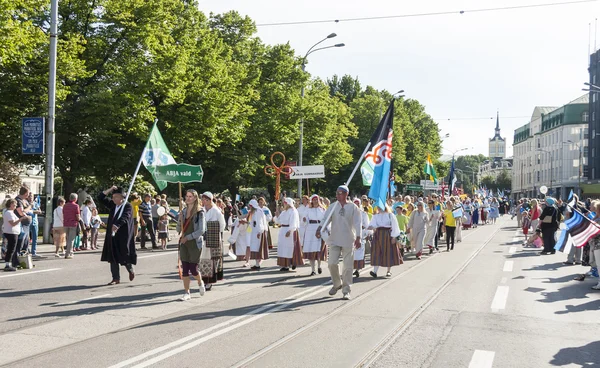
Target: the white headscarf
(254, 204)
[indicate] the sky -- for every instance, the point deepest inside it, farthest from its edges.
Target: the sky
(463, 67)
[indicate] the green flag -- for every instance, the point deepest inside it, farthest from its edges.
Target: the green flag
(429, 170)
(157, 154)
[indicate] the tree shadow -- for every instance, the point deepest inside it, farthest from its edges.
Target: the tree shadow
(583, 356)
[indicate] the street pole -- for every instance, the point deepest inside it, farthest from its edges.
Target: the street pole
(301, 135)
(49, 187)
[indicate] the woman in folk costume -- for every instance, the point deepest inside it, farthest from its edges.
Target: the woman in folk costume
(432, 225)
(257, 221)
(417, 227)
(314, 249)
(359, 254)
(240, 239)
(459, 208)
(191, 226)
(288, 242)
(211, 267)
(269, 217)
(468, 215)
(385, 251)
(494, 210)
(303, 221)
(485, 209)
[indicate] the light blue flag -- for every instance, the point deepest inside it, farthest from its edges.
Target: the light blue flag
(380, 154)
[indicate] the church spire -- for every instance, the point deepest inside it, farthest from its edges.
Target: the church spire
(497, 125)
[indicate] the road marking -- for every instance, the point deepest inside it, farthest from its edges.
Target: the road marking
(211, 329)
(500, 298)
(157, 255)
(25, 273)
(512, 250)
(508, 266)
(86, 299)
(482, 359)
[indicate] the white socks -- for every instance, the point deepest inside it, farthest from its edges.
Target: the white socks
(375, 269)
(312, 265)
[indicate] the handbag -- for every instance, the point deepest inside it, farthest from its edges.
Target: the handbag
(548, 219)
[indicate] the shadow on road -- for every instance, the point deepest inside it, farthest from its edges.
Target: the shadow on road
(546, 267)
(583, 356)
(58, 289)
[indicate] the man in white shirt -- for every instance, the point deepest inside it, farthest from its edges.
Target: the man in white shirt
(346, 231)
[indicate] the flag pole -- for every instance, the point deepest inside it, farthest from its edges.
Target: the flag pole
(358, 163)
(137, 169)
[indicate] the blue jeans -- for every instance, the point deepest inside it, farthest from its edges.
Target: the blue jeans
(33, 233)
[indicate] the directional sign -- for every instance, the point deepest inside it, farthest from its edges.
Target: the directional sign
(179, 173)
(308, 172)
(414, 187)
(33, 136)
(430, 185)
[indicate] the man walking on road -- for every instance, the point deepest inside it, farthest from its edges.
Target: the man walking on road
(119, 243)
(71, 217)
(346, 222)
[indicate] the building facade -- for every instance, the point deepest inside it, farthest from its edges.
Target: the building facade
(594, 121)
(497, 154)
(497, 145)
(551, 150)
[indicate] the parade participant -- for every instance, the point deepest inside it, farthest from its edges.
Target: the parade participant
(494, 210)
(359, 253)
(366, 206)
(212, 269)
(146, 222)
(239, 238)
(314, 247)
(385, 251)
(417, 228)
(287, 241)
(449, 226)
(485, 210)
(346, 233)
(476, 208)
(257, 221)
(432, 226)
(135, 203)
(468, 215)
(119, 243)
(191, 226)
(269, 217)
(301, 213)
(457, 205)
(59, 234)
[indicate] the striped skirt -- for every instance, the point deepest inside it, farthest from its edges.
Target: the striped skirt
(297, 258)
(317, 256)
(263, 252)
(269, 238)
(383, 252)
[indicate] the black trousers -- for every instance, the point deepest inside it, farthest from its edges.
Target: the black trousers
(11, 248)
(116, 272)
(548, 238)
(450, 230)
(149, 227)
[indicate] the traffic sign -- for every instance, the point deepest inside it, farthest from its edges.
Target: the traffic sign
(308, 172)
(33, 131)
(415, 187)
(179, 173)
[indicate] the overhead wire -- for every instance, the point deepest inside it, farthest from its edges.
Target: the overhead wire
(429, 14)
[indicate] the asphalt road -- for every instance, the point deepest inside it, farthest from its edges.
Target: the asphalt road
(488, 303)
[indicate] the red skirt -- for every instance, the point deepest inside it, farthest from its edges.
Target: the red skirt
(263, 252)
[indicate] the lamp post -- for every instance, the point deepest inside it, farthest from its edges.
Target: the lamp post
(551, 164)
(310, 51)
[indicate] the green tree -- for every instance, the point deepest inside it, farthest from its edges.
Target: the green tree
(10, 181)
(346, 87)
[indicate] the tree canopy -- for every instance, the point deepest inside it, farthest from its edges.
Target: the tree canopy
(223, 98)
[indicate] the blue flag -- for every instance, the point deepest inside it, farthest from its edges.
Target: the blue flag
(570, 195)
(380, 154)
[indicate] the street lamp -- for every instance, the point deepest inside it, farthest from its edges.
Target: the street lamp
(310, 51)
(472, 172)
(394, 96)
(551, 164)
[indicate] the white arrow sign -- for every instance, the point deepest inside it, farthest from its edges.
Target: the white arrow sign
(307, 172)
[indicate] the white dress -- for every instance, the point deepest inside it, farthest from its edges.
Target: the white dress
(311, 243)
(432, 227)
(240, 237)
(418, 226)
(303, 221)
(257, 224)
(285, 245)
(359, 254)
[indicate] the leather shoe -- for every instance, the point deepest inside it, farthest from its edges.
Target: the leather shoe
(131, 275)
(114, 282)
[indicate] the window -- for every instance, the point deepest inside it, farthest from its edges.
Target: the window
(538, 176)
(585, 151)
(538, 143)
(593, 115)
(585, 116)
(586, 134)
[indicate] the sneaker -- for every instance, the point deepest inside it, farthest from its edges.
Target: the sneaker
(594, 272)
(589, 273)
(389, 274)
(8, 268)
(185, 297)
(346, 296)
(56, 255)
(320, 270)
(334, 290)
(202, 289)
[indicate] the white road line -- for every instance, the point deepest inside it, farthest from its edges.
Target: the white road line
(482, 359)
(158, 255)
(508, 266)
(25, 273)
(213, 328)
(512, 250)
(86, 299)
(500, 298)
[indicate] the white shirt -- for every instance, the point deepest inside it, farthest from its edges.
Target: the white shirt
(7, 228)
(86, 215)
(344, 229)
(58, 217)
(214, 214)
(289, 217)
(267, 213)
(387, 220)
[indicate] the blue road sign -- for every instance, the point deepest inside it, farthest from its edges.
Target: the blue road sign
(33, 136)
